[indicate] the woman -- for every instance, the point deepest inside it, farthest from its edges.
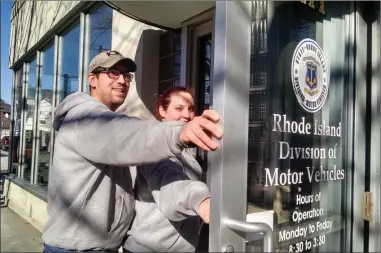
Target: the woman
(170, 199)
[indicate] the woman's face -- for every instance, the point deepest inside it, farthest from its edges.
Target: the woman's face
(181, 108)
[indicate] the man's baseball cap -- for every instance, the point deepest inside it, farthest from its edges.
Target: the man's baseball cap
(107, 59)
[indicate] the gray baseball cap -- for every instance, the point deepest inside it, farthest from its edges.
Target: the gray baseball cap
(107, 59)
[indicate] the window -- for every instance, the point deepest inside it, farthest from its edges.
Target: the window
(33, 96)
(29, 107)
(170, 60)
(45, 122)
(69, 63)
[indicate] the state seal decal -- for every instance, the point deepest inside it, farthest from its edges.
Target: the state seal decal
(310, 75)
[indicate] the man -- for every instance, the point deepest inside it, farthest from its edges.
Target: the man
(90, 199)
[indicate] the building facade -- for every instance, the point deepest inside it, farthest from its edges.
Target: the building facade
(297, 85)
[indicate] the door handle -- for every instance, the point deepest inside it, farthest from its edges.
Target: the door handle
(251, 227)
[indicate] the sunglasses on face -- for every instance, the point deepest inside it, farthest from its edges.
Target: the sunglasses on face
(114, 74)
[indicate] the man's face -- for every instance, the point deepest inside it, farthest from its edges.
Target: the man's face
(110, 87)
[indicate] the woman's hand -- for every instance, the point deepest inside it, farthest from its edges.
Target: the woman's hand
(204, 210)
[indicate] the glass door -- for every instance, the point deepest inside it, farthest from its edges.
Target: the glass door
(285, 102)
(200, 76)
(201, 80)
(202, 87)
(297, 155)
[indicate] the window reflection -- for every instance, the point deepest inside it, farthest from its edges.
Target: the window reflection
(45, 116)
(28, 120)
(170, 60)
(206, 46)
(176, 64)
(165, 68)
(69, 63)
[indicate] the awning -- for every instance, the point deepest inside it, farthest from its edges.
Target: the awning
(162, 13)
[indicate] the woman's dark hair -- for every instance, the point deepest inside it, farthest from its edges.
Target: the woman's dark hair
(165, 99)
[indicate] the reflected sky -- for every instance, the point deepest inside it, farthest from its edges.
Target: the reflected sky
(48, 69)
(70, 53)
(70, 63)
(100, 31)
(32, 79)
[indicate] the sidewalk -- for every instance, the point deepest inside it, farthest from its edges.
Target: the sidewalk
(17, 235)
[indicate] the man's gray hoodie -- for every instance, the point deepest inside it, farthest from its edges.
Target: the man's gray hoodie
(90, 195)
(168, 195)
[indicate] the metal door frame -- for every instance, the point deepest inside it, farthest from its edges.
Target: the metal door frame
(367, 96)
(230, 97)
(375, 188)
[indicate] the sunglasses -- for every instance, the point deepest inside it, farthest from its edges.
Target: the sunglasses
(114, 74)
(109, 53)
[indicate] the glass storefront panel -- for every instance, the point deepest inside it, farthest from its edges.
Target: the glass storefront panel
(17, 120)
(45, 108)
(297, 129)
(29, 107)
(69, 63)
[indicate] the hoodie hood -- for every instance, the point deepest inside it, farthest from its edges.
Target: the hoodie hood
(71, 101)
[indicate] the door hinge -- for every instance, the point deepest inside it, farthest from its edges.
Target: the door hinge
(368, 206)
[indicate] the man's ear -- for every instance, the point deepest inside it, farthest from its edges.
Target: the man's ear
(162, 112)
(92, 80)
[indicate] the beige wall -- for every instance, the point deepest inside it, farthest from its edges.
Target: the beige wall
(32, 20)
(25, 204)
(139, 42)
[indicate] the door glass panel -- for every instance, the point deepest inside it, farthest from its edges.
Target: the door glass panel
(203, 66)
(206, 47)
(203, 87)
(297, 168)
